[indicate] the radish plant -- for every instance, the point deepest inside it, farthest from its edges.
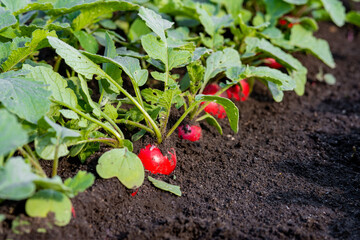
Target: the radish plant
(127, 64)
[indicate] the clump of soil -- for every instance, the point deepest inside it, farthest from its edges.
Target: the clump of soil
(292, 171)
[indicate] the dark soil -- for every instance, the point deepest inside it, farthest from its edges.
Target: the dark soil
(292, 172)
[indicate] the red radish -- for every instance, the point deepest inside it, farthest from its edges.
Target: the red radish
(282, 22)
(216, 110)
(272, 63)
(237, 93)
(191, 133)
(154, 161)
(213, 108)
(211, 89)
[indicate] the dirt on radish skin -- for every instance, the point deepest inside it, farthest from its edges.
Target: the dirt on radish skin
(155, 162)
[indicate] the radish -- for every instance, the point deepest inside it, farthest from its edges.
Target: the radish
(154, 161)
(239, 94)
(282, 22)
(213, 108)
(211, 89)
(191, 133)
(272, 63)
(216, 110)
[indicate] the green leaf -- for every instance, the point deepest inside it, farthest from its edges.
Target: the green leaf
(33, 6)
(80, 182)
(14, 5)
(336, 10)
(62, 132)
(16, 180)
(165, 186)
(212, 24)
(302, 38)
(55, 83)
(38, 41)
(296, 2)
(353, 18)
(23, 96)
(262, 45)
(93, 13)
(12, 134)
(131, 67)
(45, 147)
(232, 111)
(75, 59)
(63, 7)
(7, 19)
(124, 165)
(277, 94)
(155, 22)
(196, 74)
(163, 99)
(300, 78)
(220, 61)
(87, 41)
(211, 121)
(178, 58)
(111, 111)
(54, 183)
(277, 8)
(137, 29)
(46, 201)
(155, 49)
(110, 68)
(284, 81)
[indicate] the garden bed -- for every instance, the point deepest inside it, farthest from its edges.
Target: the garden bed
(292, 171)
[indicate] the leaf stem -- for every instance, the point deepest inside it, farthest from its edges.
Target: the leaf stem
(109, 141)
(91, 119)
(56, 158)
(37, 166)
(138, 105)
(136, 124)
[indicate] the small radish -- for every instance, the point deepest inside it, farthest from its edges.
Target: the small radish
(154, 161)
(239, 94)
(282, 22)
(213, 108)
(272, 63)
(216, 110)
(211, 89)
(191, 133)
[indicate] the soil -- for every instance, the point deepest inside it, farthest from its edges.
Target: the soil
(292, 171)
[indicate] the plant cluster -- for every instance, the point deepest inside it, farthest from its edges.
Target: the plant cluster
(127, 64)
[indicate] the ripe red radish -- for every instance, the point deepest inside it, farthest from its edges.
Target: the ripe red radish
(282, 22)
(213, 108)
(239, 94)
(272, 63)
(211, 89)
(154, 161)
(216, 110)
(191, 133)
